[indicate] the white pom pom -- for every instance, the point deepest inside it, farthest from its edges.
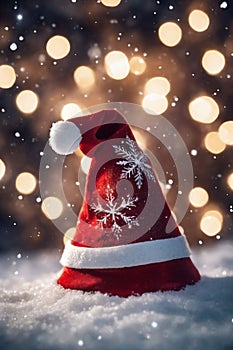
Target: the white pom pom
(65, 137)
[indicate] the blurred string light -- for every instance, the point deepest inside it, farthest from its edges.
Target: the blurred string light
(7, 76)
(52, 207)
(213, 143)
(85, 164)
(84, 77)
(204, 109)
(25, 183)
(154, 104)
(27, 101)
(116, 65)
(230, 181)
(213, 62)
(225, 132)
(198, 20)
(70, 110)
(2, 168)
(170, 34)
(69, 234)
(111, 3)
(198, 197)
(157, 85)
(58, 47)
(211, 222)
(155, 90)
(137, 65)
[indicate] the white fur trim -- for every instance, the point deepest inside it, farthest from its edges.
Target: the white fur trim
(134, 254)
(65, 137)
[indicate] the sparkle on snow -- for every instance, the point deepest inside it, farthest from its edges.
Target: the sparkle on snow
(135, 162)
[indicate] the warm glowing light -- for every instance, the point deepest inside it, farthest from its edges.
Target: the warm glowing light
(85, 164)
(52, 207)
(7, 76)
(157, 85)
(137, 65)
(198, 20)
(198, 197)
(139, 138)
(27, 101)
(69, 235)
(181, 229)
(225, 132)
(117, 65)
(170, 34)
(84, 77)
(213, 62)
(58, 47)
(213, 143)
(2, 169)
(211, 222)
(111, 3)
(25, 183)
(154, 104)
(204, 109)
(70, 110)
(230, 181)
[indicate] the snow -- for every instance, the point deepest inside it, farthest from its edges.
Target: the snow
(35, 313)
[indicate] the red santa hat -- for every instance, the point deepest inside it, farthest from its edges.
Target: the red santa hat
(122, 245)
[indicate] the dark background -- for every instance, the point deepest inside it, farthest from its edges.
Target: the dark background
(87, 23)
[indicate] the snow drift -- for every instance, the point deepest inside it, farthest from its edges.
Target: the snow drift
(36, 313)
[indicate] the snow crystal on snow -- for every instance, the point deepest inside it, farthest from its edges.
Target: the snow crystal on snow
(36, 313)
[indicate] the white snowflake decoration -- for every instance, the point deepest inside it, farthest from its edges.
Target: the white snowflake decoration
(114, 211)
(135, 162)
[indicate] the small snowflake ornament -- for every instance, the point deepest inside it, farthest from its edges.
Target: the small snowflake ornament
(113, 212)
(135, 162)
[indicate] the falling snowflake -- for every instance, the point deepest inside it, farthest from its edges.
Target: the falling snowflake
(135, 162)
(114, 212)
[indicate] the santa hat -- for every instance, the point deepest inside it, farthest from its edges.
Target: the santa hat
(122, 245)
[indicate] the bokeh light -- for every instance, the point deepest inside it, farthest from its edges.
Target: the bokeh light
(69, 234)
(111, 3)
(7, 76)
(58, 47)
(198, 197)
(157, 85)
(213, 143)
(199, 20)
(137, 65)
(225, 132)
(2, 168)
(117, 65)
(70, 110)
(211, 222)
(84, 77)
(170, 34)
(213, 62)
(204, 109)
(154, 104)
(230, 181)
(27, 101)
(25, 183)
(52, 207)
(85, 164)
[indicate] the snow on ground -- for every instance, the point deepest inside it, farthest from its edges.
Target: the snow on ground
(35, 313)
